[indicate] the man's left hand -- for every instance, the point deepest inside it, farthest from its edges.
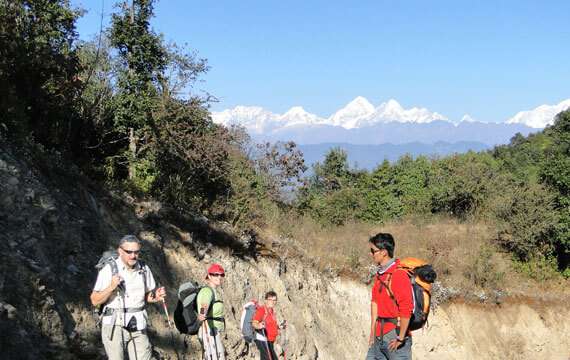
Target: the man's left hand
(157, 295)
(160, 293)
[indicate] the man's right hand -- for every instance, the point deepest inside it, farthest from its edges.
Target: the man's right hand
(371, 340)
(202, 313)
(116, 281)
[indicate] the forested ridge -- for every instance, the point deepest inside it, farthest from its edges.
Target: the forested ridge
(125, 110)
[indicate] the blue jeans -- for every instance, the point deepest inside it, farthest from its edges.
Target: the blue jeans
(379, 351)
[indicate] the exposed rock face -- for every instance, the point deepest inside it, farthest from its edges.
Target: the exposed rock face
(54, 226)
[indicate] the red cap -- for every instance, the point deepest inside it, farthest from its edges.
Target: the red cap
(216, 269)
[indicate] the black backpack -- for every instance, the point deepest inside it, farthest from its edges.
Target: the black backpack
(186, 313)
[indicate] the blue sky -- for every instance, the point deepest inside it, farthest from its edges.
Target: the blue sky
(489, 59)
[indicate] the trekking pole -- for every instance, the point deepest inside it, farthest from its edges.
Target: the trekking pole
(170, 328)
(166, 314)
(205, 338)
(284, 339)
(216, 334)
(122, 292)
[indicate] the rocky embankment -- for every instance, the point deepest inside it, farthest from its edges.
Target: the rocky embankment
(54, 225)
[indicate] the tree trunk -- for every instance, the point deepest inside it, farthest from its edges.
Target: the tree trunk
(132, 153)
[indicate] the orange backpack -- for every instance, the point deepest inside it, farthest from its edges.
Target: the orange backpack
(421, 276)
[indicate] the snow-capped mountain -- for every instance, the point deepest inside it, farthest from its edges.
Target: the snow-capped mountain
(541, 116)
(357, 114)
(349, 116)
(298, 116)
(467, 118)
(392, 111)
(254, 118)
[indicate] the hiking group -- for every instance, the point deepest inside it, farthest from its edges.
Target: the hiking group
(399, 304)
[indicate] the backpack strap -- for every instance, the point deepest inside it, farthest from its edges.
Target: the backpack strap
(142, 268)
(388, 286)
(213, 301)
(211, 308)
(396, 320)
(114, 268)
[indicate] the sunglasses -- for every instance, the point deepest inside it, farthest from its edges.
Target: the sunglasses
(374, 251)
(216, 275)
(131, 252)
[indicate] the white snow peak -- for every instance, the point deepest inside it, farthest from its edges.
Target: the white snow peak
(253, 118)
(540, 116)
(348, 116)
(467, 118)
(393, 111)
(298, 116)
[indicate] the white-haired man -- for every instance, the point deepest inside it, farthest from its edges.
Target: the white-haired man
(123, 287)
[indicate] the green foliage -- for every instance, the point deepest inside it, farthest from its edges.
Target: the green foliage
(192, 156)
(143, 59)
(38, 72)
(523, 187)
(381, 201)
(333, 174)
(337, 208)
(410, 183)
(123, 93)
(462, 183)
(555, 172)
(529, 221)
(329, 194)
(483, 271)
(539, 268)
(147, 173)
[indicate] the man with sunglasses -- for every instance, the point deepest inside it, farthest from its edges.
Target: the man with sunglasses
(124, 285)
(211, 313)
(391, 305)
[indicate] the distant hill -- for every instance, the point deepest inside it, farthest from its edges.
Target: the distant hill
(369, 156)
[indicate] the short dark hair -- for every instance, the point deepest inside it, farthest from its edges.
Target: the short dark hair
(384, 241)
(270, 294)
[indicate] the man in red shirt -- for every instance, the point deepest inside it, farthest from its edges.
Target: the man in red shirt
(265, 322)
(391, 306)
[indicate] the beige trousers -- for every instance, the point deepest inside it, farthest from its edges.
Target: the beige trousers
(212, 346)
(136, 342)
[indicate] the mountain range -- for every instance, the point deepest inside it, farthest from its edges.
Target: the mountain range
(415, 130)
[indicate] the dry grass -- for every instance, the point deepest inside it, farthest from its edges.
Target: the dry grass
(462, 253)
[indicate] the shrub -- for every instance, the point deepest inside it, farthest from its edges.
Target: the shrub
(482, 271)
(528, 221)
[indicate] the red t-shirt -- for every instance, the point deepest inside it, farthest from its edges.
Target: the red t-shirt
(267, 315)
(401, 289)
